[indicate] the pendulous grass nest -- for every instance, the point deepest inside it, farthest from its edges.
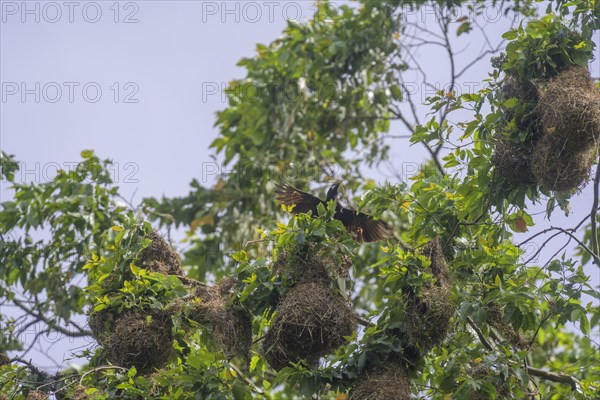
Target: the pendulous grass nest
(483, 372)
(101, 324)
(495, 318)
(305, 263)
(160, 257)
(80, 393)
(570, 110)
(37, 395)
(139, 339)
(157, 257)
(385, 382)
(560, 168)
(231, 328)
(513, 161)
(434, 251)
(427, 317)
(525, 91)
(311, 321)
(526, 110)
(427, 314)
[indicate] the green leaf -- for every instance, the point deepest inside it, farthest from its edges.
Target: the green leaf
(510, 35)
(465, 27)
(240, 256)
(510, 103)
(87, 154)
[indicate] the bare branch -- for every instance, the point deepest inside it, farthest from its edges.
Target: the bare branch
(539, 373)
(479, 333)
(594, 214)
(30, 366)
(51, 324)
(100, 368)
(364, 322)
(554, 377)
(249, 381)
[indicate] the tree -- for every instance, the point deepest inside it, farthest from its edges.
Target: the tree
(448, 308)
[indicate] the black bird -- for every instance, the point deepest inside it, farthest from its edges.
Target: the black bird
(363, 226)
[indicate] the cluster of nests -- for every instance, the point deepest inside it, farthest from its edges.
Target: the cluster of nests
(143, 338)
(564, 132)
(312, 319)
(425, 323)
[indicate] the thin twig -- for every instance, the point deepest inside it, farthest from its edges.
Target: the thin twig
(554, 377)
(51, 324)
(29, 365)
(246, 379)
(580, 243)
(594, 214)
(364, 322)
(539, 373)
(100, 368)
(479, 333)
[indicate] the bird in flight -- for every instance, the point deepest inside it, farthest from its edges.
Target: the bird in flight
(364, 227)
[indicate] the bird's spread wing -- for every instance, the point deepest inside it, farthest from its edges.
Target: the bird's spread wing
(365, 227)
(289, 195)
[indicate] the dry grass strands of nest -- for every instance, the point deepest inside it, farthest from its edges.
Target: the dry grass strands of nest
(101, 324)
(311, 321)
(160, 257)
(142, 340)
(37, 395)
(558, 168)
(483, 372)
(513, 162)
(495, 318)
(427, 314)
(232, 329)
(385, 382)
(80, 393)
(526, 91)
(570, 110)
(434, 251)
(528, 95)
(315, 266)
(427, 317)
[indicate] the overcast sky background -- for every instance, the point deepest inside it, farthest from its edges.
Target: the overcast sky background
(137, 82)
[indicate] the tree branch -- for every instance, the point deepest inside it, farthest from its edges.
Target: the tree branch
(364, 322)
(479, 333)
(580, 243)
(539, 373)
(249, 381)
(594, 213)
(30, 366)
(100, 368)
(554, 377)
(51, 324)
